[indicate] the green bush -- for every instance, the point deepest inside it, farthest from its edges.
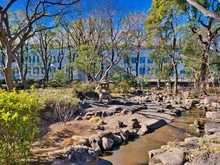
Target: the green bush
(60, 78)
(124, 86)
(19, 121)
(83, 87)
(55, 84)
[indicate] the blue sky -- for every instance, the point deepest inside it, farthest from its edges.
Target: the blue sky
(137, 4)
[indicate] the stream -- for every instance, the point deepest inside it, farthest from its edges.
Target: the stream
(136, 151)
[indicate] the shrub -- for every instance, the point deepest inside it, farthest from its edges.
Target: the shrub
(124, 86)
(213, 90)
(55, 84)
(61, 78)
(18, 126)
(61, 102)
(83, 87)
(65, 109)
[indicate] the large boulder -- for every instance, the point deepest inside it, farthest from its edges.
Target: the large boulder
(212, 127)
(117, 139)
(213, 115)
(206, 159)
(76, 155)
(173, 156)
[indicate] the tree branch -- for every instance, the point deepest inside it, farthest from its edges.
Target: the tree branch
(203, 10)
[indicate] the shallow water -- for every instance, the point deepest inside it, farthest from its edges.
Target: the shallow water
(136, 152)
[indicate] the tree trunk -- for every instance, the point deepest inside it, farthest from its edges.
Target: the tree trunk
(26, 86)
(203, 70)
(176, 78)
(7, 71)
(137, 60)
(105, 76)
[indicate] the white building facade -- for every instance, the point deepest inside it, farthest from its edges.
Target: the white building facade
(36, 70)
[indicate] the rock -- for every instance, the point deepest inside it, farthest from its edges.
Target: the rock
(144, 129)
(213, 115)
(96, 147)
(206, 159)
(167, 106)
(208, 100)
(215, 104)
(94, 119)
(95, 139)
(115, 109)
(86, 117)
(117, 139)
(78, 118)
(82, 155)
(75, 140)
(90, 114)
(106, 133)
(196, 123)
(98, 113)
(133, 123)
(125, 135)
(212, 127)
(215, 136)
(107, 143)
(197, 130)
(173, 156)
(176, 111)
(155, 123)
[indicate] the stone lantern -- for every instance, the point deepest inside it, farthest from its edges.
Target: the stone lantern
(104, 92)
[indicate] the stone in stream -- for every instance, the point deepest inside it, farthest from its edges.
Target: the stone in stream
(107, 143)
(155, 123)
(173, 156)
(117, 139)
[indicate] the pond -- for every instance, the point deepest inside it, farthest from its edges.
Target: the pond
(136, 152)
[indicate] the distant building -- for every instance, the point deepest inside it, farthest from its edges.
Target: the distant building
(35, 67)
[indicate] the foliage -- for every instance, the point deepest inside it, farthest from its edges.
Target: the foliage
(118, 74)
(83, 87)
(18, 126)
(192, 53)
(124, 86)
(60, 79)
(49, 97)
(61, 101)
(142, 80)
(87, 60)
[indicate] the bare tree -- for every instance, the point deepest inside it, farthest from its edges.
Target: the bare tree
(116, 35)
(135, 21)
(43, 44)
(35, 10)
